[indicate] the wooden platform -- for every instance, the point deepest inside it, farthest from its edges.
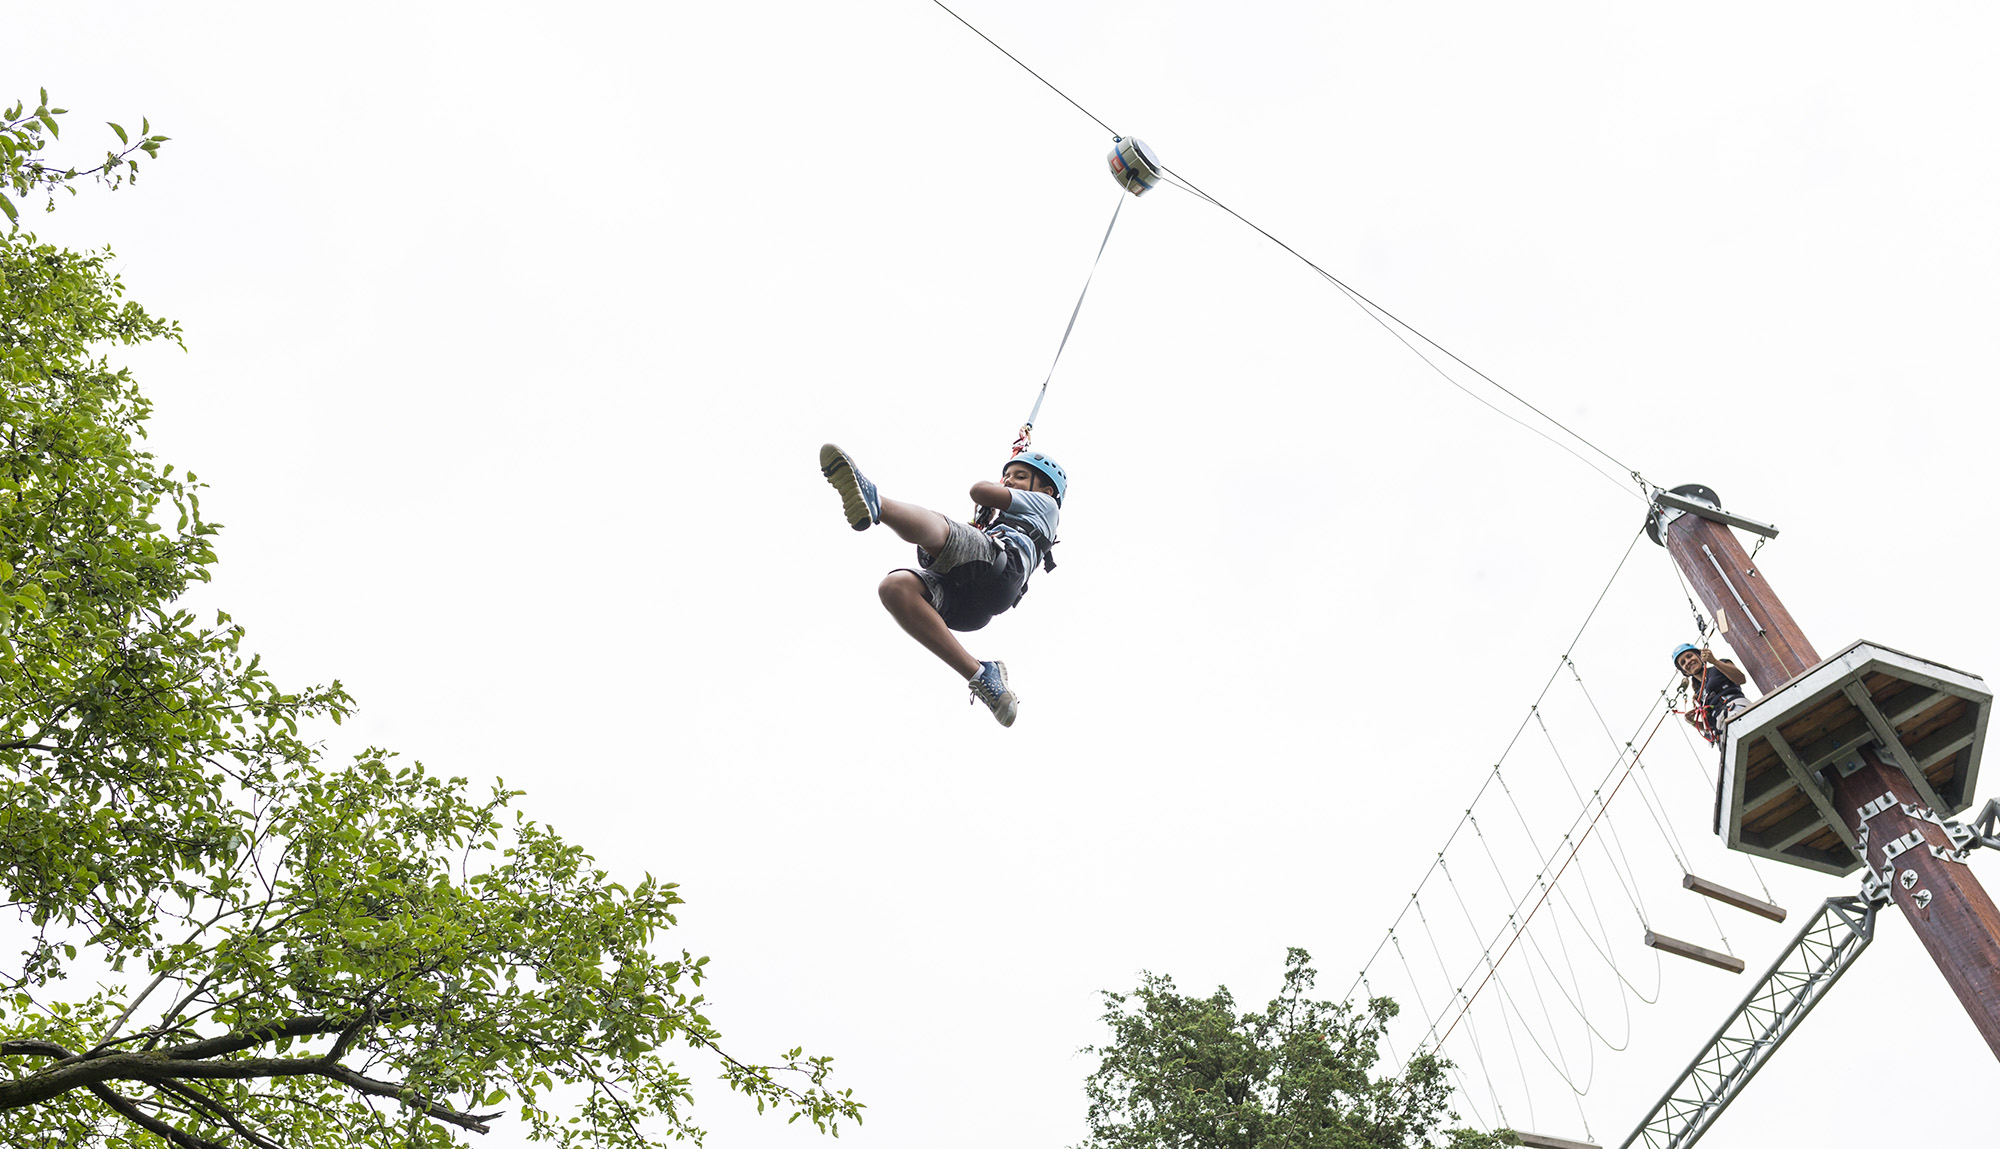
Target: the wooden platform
(1921, 717)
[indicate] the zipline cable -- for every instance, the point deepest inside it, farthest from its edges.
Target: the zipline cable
(1368, 305)
(1373, 308)
(1025, 68)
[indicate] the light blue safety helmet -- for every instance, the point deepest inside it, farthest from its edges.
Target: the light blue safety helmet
(1050, 469)
(1683, 648)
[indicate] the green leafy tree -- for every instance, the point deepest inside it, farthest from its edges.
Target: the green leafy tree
(1191, 1073)
(285, 950)
(24, 137)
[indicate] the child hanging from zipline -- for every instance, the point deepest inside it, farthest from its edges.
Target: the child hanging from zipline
(966, 573)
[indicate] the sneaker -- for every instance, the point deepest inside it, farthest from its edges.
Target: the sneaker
(990, 686)
(857, 494)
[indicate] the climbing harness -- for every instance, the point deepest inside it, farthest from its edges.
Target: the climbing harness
(1700, 715)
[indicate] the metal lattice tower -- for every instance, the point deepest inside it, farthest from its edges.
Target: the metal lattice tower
(1817, 957)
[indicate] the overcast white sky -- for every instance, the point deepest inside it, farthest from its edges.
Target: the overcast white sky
(512, 332)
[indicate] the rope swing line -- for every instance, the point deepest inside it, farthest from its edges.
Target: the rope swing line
(1675, 846)
(1547, 884)
(1573, 1000)
(1669, 836)
(1573, 994)
(1471, 1031)
(1695, 762)
(1575, 849)
(1605, 953)
(1025, 439)
(1562, 1070)
(1646, 780)
(1417, 990)
(1632, 889)
(1563, 943)
(1374, 310)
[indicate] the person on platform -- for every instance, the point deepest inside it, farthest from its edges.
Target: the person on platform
(1717, 685)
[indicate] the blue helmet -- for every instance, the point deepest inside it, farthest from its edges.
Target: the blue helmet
(1050, 469)
(1683, 648)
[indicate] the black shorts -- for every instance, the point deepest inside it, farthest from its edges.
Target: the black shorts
(969, 594)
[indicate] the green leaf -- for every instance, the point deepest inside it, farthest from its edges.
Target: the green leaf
(121, 133)
(7, 207)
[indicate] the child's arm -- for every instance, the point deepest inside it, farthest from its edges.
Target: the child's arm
(992, 495)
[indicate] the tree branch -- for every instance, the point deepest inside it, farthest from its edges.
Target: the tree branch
(221, 1113)
(368, 1085)
(309, 1026)
(33, 1047)
(347, 1036)
(159, 1067)
(127, 1014)
(124, 1107)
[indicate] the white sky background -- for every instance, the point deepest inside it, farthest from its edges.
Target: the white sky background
(512, 332)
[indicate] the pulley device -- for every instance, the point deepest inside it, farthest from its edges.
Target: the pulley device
(1134, 165)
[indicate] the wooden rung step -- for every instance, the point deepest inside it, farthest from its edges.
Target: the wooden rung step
(1729, 897)
(1544, 1141)
(1694, 952)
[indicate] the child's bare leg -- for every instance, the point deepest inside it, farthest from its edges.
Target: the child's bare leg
(903, 594)
(915, 524)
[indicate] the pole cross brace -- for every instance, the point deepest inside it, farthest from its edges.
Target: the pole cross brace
(1796, 982)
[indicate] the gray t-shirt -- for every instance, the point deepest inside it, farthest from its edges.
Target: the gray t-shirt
(1030, 509)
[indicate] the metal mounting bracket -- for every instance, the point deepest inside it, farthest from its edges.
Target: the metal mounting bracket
(1701, 502)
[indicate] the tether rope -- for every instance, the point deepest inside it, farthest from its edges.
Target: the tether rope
(1028, 427)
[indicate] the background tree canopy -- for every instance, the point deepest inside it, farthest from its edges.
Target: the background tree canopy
(1191, 1073)
(290, 951)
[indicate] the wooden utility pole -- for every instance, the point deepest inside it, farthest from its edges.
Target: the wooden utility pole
(1955, 918)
